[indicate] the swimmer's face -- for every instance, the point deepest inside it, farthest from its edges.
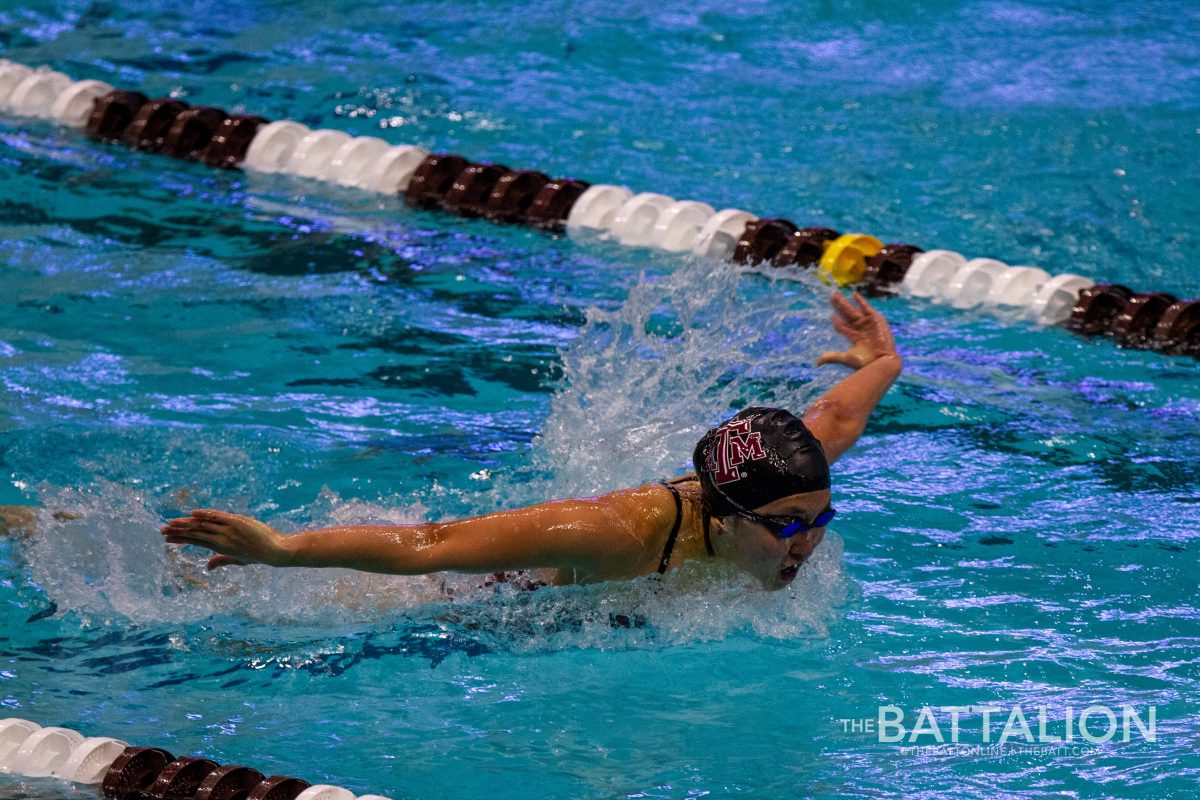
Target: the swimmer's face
(774, 561)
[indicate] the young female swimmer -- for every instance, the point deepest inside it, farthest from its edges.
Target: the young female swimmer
(759, 499)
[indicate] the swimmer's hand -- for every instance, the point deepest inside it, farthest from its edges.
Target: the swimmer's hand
(839, 417)
(868, 332)
(236, 539)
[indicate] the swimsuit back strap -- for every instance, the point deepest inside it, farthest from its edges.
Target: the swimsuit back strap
(666, 556)
(708, 548)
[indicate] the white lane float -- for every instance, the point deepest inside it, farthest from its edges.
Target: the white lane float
(596, 207)
(930, 271)
(1018, 286)
(90, 760)
(74, 104)
(273, 145)
(35, 96)
(679, 224)
(312, 155)
(633, 224)
(354, 161)
(44, 751)
(719, 236)
(13, 733)
(11, 76)
(972, 283)
(649, 219)
(1054, 301)
(395, 168)
(323, 791)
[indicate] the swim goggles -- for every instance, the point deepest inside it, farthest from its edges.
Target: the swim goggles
(787, 527)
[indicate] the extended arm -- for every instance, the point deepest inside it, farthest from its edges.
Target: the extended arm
(599, 537)
(839, 416)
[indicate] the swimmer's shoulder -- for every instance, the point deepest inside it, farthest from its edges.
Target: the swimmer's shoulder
(646, 512)
(641, 518)
(646, 503)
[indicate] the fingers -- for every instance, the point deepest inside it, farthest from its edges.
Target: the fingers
(195, 522)
(859, 321)
(212, 515)
(848, 317)
(216, 562)
(194, 530)
(832, 357)
(204, 520)
(866, 307)
(184, 538)
(200, 539)
(844, 328)
(191, 527)
(843, 307)
(234, 538)
(859, 310)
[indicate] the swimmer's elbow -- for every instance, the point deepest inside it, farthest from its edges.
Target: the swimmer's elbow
(469, 546)
(418, 549)
(836, 425)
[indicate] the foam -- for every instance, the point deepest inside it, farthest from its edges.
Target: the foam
(99, 569)
(707, 342)
(107, 564)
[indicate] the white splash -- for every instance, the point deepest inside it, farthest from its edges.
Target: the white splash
(642, 382)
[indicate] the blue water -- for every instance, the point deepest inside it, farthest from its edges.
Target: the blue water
(1018, 526)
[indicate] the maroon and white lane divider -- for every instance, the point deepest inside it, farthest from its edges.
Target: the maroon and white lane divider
(123, 772)
(452, 183)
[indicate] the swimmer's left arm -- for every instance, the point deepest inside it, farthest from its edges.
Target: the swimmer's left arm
(839, 417)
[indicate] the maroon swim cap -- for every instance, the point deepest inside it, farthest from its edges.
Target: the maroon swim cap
(757, 456)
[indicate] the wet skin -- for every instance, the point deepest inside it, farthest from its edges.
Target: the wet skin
(616, 536)
(751, 546)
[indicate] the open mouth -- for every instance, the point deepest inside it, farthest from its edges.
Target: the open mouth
(789, 573)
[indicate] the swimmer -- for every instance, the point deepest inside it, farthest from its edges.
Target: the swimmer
(759, 499)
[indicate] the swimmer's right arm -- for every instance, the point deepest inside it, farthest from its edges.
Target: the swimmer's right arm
(600, 536)
(839, 417)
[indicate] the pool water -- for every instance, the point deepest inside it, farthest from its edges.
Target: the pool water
(1019, 525)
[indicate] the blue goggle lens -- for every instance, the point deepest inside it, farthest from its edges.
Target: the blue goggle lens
(800, 526)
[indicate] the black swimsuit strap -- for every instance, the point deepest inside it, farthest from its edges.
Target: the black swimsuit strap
(666, 556)
(708, 539)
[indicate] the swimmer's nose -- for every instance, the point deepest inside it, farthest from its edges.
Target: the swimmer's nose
(815, 538)
(802, 549)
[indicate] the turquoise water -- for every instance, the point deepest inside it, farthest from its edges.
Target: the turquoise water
(1018, 526)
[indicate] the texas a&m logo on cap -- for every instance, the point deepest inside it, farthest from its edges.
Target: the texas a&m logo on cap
(736, 444)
